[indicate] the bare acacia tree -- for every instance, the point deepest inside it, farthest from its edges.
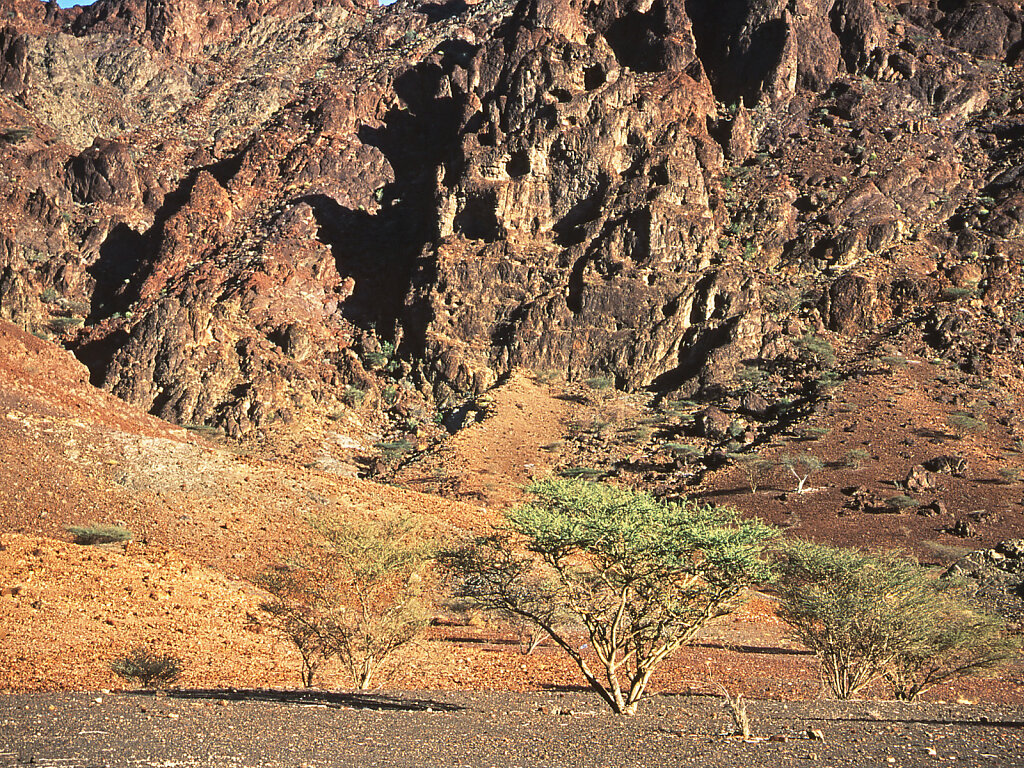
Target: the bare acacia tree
(641, 576)
(353, 593)
(801, 466)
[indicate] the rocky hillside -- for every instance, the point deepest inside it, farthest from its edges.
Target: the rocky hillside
(317, 226)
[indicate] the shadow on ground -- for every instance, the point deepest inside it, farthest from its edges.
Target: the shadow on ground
(373, 701)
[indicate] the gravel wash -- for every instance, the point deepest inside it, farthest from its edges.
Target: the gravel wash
(278, 728)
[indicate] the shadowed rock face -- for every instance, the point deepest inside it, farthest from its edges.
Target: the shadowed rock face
(105, 173)
(250, 208)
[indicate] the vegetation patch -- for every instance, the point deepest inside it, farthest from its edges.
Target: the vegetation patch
(99, 533)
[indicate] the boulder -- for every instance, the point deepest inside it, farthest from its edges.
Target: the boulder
(989, 29)
(852, 305)
(105, 173)
(919, 479)
(713, 423)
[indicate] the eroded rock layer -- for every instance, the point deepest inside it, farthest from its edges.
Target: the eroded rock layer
(281, 217)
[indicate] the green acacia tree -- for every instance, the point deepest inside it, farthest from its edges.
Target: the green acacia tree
(641, 576)
(870, 616)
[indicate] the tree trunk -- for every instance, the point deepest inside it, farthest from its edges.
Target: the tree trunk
(365, 674)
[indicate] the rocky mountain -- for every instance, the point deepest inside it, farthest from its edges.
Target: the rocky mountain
(317, 225)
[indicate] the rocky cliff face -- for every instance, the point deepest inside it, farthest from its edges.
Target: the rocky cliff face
(288, 218)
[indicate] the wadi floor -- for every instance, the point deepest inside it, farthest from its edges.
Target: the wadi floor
(209, 515)
(278, 728)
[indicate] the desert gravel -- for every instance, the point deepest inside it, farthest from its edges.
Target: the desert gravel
(289, 728)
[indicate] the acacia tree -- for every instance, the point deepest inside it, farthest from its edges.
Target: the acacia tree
(301, 613)
(801, 466)
(353, 593)
(880, 615)
(640, 575)
(963, 641)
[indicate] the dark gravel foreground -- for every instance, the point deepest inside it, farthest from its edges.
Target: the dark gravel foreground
(282, 728)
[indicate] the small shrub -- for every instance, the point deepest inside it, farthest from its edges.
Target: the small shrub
(801, 466)
(949, 553)
(855, 458)
(1010, 475)
(784, 408)
(755, 467)
(816, 350)
(964, 422)
(49, 296)
(828, 384)
(353, 396)
(375, 359)
(903, 502)
(381, 358)
(392, 452)
(206, 430)
(954, 293)
(546, 376)
(17, 135)
(99, 533)
(61, 324)
(639, 433)
(751, 375)
(147, 668)
(894, 361)
(600, 382)
(815, 433)
(679, 406)
(870, 616)
(683, 451)
(353, 593)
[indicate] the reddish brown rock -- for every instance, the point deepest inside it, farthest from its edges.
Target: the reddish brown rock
(853, 305)
(665, 194)
(105, 173)
(989, 29)
(13, 61)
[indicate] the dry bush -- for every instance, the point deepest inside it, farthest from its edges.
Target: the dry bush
(870, 616)
(147, 668)
(99, 533)
(354, 593)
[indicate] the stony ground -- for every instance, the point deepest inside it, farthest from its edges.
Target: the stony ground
(209, 516)
(278, 728)
(255, 255)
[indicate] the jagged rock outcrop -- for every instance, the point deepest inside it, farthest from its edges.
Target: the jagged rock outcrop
(13, 61)
(182, 28)
(255, 216)
(770, 48)
(986, 28)
(575, 212)
(105, 173)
